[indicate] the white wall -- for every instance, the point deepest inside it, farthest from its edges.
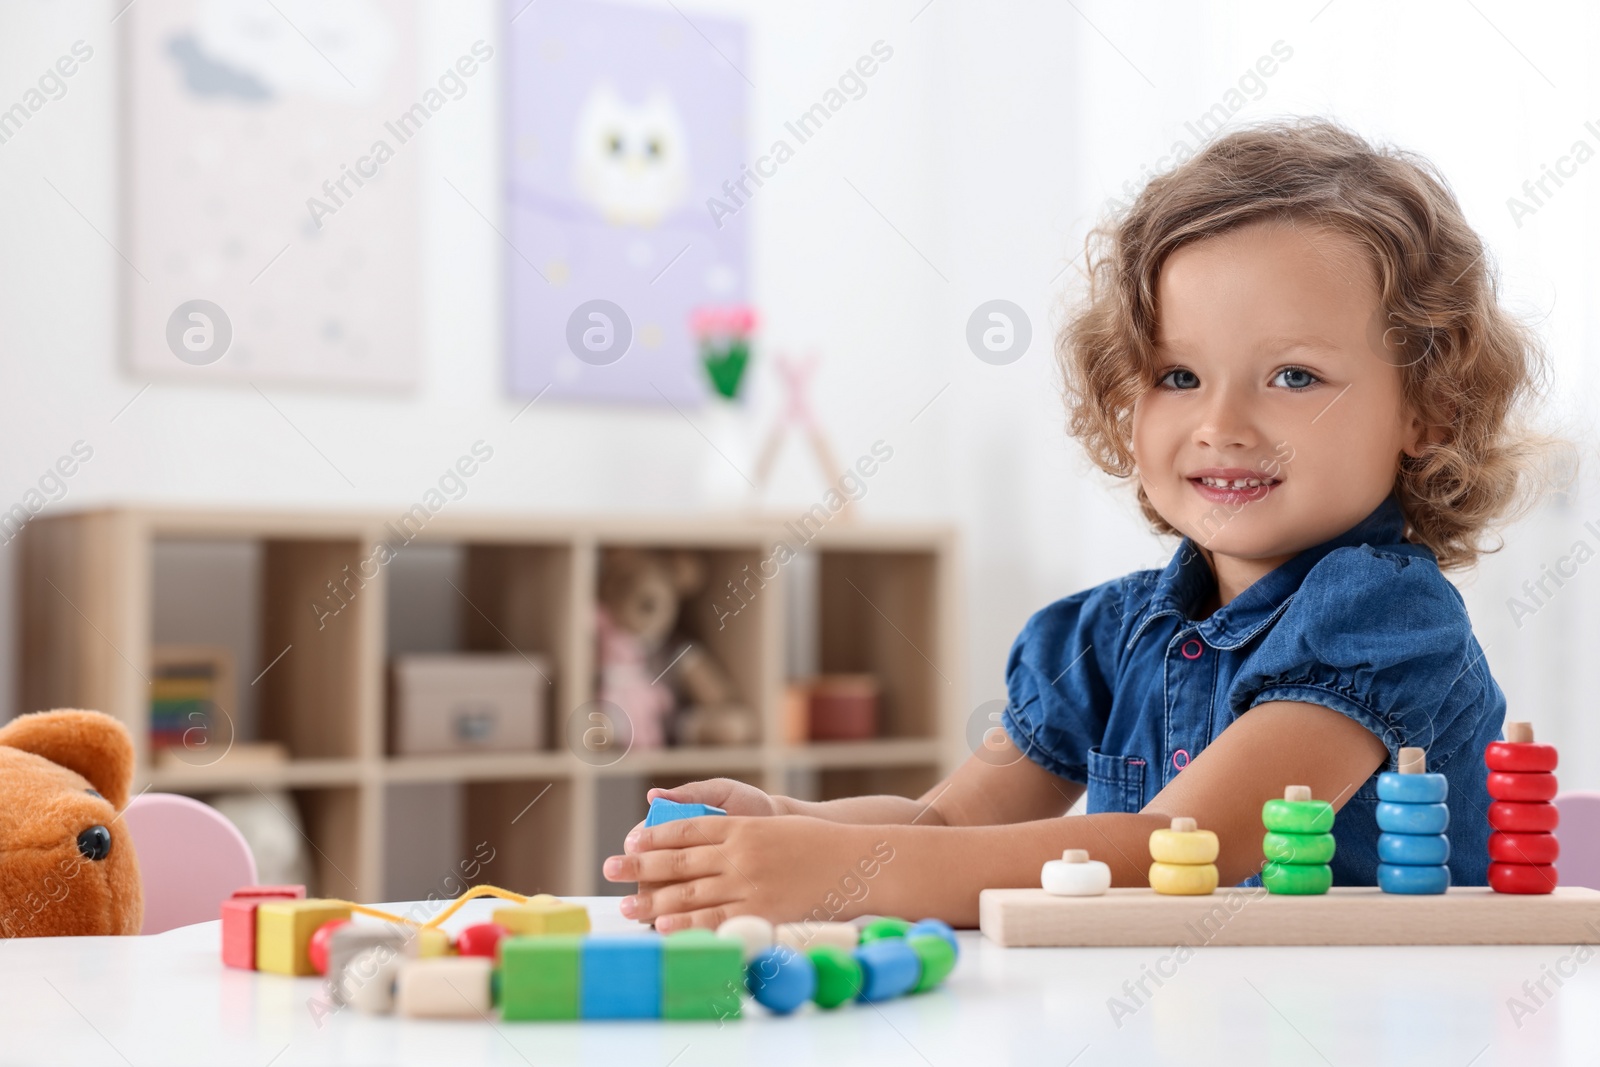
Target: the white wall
(990, 142)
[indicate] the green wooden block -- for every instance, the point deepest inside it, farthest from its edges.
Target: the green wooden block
(702, 976)
(1297, 848)
(938, 959)
(838, 976)
(878, 929)
(539, 977)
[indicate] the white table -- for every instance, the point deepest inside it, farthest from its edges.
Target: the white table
(167, 999)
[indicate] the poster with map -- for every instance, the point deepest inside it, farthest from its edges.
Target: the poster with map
(269, 236)
(622, 123)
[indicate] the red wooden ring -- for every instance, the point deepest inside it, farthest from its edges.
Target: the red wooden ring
(1519, 758)
(1515, 818)
(1521, 878)
(1523, 848)
(1526, 788)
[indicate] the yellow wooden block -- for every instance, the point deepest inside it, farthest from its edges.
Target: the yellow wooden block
(544, 915)
(1173, 846)
(432, 941)
(284, 929)
(1183, 879)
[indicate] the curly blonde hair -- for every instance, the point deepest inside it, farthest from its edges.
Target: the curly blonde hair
(1474, 367)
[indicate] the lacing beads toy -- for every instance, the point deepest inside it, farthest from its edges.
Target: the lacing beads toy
(1522, 846)
(1075, 875)
(1184, 860)
(1413, 817)
(894, 958)
(1298, 844)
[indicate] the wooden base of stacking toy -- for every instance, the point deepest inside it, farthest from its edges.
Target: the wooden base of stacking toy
(1346, 915)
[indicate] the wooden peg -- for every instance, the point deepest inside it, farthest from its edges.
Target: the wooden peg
(1413, 761)
(1075, 855)
(1297, 792)
(1519, 733)
(1183, 825)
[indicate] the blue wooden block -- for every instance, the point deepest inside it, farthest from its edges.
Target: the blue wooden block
(889, 968)
(662, 810)
(1414, 850)
(936, 927)
(620, 977)
(781, 979)
(1413, 788)
(1412, 881)
(1412, 818)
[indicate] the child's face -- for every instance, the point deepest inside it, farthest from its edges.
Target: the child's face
(1273, 366)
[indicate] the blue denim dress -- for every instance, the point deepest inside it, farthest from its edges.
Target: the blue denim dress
(1118, 687)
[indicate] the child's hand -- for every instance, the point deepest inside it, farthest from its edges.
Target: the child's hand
(701, 872)
(735, 798)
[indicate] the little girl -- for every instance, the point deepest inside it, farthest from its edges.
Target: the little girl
(1292, 341)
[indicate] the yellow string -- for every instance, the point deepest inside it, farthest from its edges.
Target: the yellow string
(455, 905)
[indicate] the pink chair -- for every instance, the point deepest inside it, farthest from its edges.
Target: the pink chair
(1579, 837)
(191, 859)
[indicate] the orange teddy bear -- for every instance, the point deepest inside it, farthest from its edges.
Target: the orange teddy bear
(67, 864)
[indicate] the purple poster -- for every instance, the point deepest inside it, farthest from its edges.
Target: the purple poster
(624, 122)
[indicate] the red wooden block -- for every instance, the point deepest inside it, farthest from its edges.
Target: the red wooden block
(277, 892)
(1523, 787)
(239, 920)
(1512, 817)
(1523, 848)
(1520, 758)
(1521, 878)
(480, 939)
(317, 947)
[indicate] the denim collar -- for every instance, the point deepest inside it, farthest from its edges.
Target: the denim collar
(1187, 581)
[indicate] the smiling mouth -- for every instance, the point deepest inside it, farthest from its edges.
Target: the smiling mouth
(1235, 483)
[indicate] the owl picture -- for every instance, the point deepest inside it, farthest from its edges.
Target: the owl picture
(630, 160)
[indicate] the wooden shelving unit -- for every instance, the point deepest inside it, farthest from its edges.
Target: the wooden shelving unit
(885, 600)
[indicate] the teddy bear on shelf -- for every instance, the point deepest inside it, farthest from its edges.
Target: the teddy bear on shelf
(67, 865)
(644, 668)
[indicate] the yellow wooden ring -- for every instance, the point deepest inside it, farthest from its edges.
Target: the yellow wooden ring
(1180, 879)
(1190, 847)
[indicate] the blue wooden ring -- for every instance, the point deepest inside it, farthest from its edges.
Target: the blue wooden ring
(1412, 881)
(1413, 818)
(1413, 788)
(1414, 850)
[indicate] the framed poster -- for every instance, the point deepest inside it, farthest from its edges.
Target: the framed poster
(270, 199)
(624, 125)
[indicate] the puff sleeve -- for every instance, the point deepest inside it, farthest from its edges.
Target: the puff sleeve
(1060, 678)
(1381, 636)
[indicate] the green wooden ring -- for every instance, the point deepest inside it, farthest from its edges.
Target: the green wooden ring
(938, 959)
(1298, 816)
(879, 929)
(1297, 879)
(1297, 848)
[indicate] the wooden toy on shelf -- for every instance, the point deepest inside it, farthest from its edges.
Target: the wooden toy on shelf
(1075, 875)
(1522, 819)
(1412, 814)
(1296, 860)
(1183, 859)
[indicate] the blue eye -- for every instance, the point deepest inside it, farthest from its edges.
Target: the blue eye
(1187, 379)
(1300, 378)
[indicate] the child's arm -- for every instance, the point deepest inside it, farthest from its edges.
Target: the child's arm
(697, 872)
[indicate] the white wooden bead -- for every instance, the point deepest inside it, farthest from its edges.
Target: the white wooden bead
(444, 987)
(1071, 876)
(756, 933)
(369, 980)
(802, 936)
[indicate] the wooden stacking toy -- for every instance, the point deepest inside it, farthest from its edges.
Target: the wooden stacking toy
(1075, 875)
(1412, 848)
(1183, 860)
(1522, 819)
(1298, 844)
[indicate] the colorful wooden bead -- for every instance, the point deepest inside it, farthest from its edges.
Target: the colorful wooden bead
(1298, 848)
(882, 927)
(1522, 878)
(543, 915)
(889, 968)
(1520, 758)
(1298, 816)
(428, 942)
(1524, 788)
(451, 987)
(1183, 846)
(1413, 881)
(937, 959)
(938, 928)
(619, 977)
(1296, 879)
(1516, 818)
(1524, 848)
(662, 810)
(838, 976)
(1413, 788)
(350, 941)
(803, 936)
(283, 933)
(702, 976)
(1183, 879)
(1075, 875)
(781, 979)
(370, 979)
(481, 939)
(1413, 818)
(1414, 850)
(317, 947)
(539, 977)
(754, 932)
